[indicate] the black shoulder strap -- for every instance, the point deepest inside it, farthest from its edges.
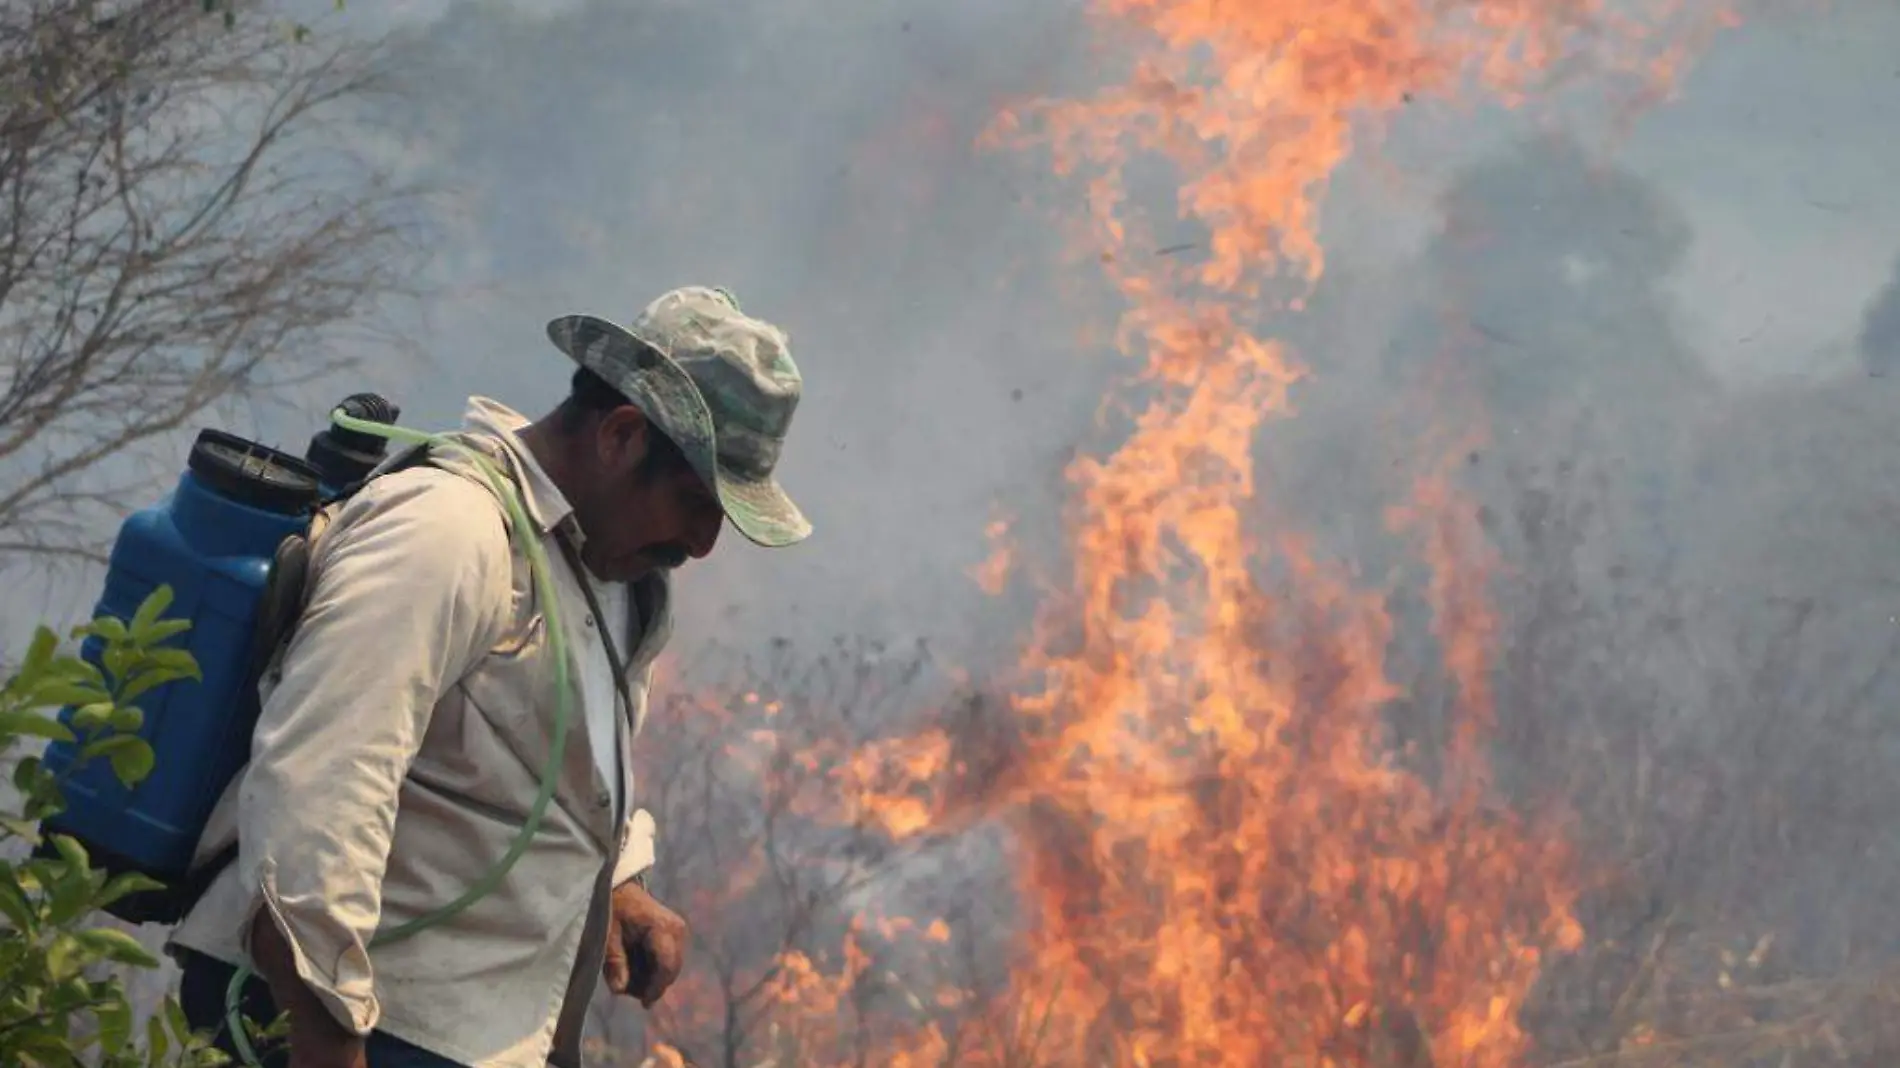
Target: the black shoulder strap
(414, 456)
(600, 620)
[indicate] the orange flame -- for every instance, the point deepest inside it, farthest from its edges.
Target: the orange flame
(1223, 855)
(1227, 862)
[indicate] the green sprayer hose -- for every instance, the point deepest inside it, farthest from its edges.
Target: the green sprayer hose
(563, 706)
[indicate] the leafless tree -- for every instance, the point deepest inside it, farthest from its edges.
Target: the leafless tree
(182, 227)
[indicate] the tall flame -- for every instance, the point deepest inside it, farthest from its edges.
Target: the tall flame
(1225, 851)
(1225, 864)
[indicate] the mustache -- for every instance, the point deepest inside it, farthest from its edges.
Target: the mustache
(668, 556)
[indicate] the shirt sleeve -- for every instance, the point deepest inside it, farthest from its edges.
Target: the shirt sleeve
(409, 586)
(637, 843)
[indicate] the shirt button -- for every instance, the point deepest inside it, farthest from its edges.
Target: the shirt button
(603, 799)
(590, 622)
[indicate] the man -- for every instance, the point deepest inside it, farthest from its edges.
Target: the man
(407, 721)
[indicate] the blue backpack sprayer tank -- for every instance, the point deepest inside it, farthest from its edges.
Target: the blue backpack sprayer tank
(214, 540)
(231, 542)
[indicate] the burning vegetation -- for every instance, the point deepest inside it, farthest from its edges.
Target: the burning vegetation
(1209, 824)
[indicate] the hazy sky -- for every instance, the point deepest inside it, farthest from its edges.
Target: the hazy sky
(819, 160)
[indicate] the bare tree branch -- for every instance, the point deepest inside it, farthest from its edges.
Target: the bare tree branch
(183, 228)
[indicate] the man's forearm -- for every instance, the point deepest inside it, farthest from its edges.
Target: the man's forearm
(316, 1037)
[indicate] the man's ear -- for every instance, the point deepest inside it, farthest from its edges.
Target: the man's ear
(623, 436)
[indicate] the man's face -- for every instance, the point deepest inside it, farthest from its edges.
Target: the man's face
(640, 516)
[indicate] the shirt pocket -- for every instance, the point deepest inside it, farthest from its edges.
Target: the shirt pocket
(513, 693)
(508, 687)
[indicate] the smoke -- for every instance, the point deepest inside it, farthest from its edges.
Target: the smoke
(822, 165)
(1880, 331)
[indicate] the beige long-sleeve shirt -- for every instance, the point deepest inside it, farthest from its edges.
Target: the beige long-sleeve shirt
(399, 749)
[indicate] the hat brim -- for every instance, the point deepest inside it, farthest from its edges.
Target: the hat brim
(761, 510)
(646, 374)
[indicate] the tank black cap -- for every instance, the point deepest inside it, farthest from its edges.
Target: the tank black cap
(252, 474)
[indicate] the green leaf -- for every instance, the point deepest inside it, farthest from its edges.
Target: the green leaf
(14, 905)
(134, 763)
(117, 946)
(68, 995)
(155, 1041)
(33, 875)
(72, 852)
(45, 1048)
(38, 786)
(66, 901)
(65, 957)
(105, 747)
(110, 628)
(27, 774)
(127, 719)
(57, 692)
(84, 672)
(89, 718)
(119, 660)
(175, 1016)
(115, 1024)
(179, 660)
(125, 885)
(21, 828)
(140, 684)
(149, 612)
(132, 759)
(40, 653)
(152, 675)
(22, 723)
(163, 629)
(45, 803)
(65, 887)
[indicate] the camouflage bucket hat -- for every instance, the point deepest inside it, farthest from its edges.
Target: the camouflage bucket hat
(719, 383)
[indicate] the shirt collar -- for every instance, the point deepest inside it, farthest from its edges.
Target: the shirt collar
(546, 505)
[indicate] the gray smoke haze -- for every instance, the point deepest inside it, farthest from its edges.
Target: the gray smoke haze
(1880, 331)
(823, 166)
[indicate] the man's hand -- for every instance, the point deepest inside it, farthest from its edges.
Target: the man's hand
(646, 945)
(316, 1039)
